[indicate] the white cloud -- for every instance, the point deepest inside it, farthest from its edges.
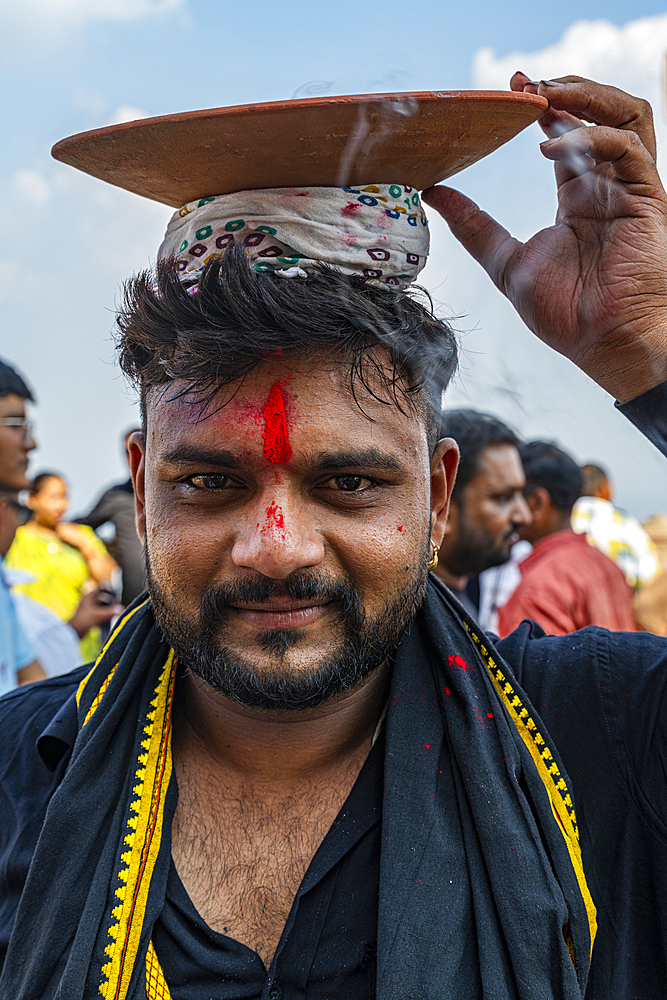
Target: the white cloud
(32, 29)
(504, 369)
(83, 11)
(631, 57)
(31, 186)
(126, 113)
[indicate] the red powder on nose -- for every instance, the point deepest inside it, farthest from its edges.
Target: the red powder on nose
(400, 527)
(275, 513)
(276, 438)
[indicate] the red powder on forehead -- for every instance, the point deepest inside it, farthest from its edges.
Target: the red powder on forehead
(276, 438)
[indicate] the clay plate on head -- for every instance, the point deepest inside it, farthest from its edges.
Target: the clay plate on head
(415, 139)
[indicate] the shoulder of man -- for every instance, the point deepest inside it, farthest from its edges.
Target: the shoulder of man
(26, 714)
(603, 698)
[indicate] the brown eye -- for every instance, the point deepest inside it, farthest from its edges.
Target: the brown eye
(350, 484)
(209, 481)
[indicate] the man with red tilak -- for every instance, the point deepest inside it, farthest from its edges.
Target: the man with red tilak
(298, 769)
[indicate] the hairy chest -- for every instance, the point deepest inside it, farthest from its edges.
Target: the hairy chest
(242, 852)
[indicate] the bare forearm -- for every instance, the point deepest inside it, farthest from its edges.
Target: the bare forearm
(100, 565)
(32, 672)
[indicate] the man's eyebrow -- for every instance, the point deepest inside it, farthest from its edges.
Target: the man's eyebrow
(189, 454)
(359, 458)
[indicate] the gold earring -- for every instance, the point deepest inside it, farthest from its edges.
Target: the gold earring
(434, 558)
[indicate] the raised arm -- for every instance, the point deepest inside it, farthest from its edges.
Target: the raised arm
(593, 286)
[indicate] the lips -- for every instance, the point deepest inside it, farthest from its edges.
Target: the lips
(281, 614)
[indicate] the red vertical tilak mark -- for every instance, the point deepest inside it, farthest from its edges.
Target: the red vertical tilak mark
(276, 438)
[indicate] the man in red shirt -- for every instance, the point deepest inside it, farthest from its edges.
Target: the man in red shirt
(566, 584)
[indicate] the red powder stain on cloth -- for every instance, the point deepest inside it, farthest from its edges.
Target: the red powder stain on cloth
(457, 661)
(350, 208)
(276, 437)
(400, 527)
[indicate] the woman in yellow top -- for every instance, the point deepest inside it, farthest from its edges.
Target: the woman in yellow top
(63, 557)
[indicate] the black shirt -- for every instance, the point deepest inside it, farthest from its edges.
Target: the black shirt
(603, 698)
(328, 946)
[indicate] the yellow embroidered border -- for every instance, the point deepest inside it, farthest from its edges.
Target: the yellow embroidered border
(143, 839)
(156, 984)
(98, 696)
(103, 686)
(548, 770)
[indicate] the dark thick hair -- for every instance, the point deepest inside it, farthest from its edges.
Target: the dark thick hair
(546, 465)
(11, 383)
(474, 432)
(40, 479)
(220, 329)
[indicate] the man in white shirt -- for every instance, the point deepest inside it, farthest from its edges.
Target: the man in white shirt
(619, 535)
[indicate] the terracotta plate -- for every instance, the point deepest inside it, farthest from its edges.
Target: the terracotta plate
(416, 139)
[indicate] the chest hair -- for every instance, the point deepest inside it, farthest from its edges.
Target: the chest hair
(242, 850)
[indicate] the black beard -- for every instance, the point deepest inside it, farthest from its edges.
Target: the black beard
(474, 551)
(365, 643)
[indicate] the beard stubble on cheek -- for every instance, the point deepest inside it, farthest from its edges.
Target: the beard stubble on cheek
(359, 642)
(476, 550)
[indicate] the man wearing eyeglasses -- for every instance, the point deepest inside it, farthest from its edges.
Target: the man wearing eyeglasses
(16, 440)
(17, 659)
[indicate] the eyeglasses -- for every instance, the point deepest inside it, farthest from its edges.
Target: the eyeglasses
(23, 513)
(22, 422)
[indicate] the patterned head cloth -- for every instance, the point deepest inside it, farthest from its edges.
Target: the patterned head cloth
(378, 231)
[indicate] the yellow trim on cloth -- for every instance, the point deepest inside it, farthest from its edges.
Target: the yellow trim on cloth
(144, 833)
(105, 683)
(146, 814)
(143, 838)
(156, 984)
(548, 770)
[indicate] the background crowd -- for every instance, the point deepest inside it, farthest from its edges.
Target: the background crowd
(530, 535)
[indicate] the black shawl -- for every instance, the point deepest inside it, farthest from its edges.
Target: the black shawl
(482, 893)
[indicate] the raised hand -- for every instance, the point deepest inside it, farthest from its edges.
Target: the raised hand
(594, 285)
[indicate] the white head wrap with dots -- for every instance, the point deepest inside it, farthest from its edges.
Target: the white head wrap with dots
(378, 231)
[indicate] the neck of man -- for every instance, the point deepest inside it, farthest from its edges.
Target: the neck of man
(452, 580)
(558, 522)
(279, 748)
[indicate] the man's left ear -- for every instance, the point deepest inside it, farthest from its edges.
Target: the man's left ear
(136, 454)
(444, 464)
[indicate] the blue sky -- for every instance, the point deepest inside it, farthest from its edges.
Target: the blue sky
(69, 241)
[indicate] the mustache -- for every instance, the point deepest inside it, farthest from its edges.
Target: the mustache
(300, 586)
